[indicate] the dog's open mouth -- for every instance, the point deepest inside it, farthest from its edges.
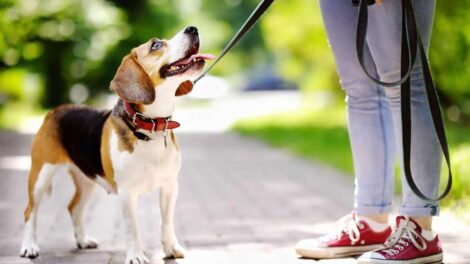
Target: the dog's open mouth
(192, 60)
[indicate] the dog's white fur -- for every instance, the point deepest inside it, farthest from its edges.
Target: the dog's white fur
(150, 166)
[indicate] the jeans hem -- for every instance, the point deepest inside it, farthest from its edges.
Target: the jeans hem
(373, 209)
(432, 210)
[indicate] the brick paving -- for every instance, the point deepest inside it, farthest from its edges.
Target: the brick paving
(240, 202)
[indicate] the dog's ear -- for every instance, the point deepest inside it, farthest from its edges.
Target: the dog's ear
(132, 83)
(184, 88)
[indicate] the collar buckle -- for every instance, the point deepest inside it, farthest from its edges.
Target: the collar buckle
(165, 130)
(167, 121)
(145, 117)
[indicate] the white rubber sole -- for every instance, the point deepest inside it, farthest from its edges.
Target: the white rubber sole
(433, 259)
(336, 252)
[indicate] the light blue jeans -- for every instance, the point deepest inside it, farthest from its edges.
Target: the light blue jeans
(374, 116)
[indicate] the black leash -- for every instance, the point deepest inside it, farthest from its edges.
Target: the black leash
(411, 44)
(255, 15)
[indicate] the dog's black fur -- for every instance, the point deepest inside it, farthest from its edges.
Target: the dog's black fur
(80, 131)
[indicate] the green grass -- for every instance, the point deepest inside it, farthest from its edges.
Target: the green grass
(323, 136)
(18, 116)
(459, 143)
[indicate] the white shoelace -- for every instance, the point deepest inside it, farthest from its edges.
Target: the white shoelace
(396, 242)
(349, 225)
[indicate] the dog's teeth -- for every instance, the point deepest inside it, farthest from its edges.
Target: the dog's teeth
(179, 67)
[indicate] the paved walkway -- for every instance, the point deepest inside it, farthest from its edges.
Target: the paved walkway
(240, 202)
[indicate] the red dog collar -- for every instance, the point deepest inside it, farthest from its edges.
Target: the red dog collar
(143, 121)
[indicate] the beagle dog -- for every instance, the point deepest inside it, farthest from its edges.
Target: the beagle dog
(129, 150)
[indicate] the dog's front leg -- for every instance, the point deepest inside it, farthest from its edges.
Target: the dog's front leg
(135, 253)
(168, 195)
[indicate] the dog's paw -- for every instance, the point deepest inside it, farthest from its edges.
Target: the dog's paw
(137, 259)
(173, 250)
(87, 243)
(29, 250)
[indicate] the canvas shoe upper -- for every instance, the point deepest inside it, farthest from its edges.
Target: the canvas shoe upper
(406, 245)
(352, 237)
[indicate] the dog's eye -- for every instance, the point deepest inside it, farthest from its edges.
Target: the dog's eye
(156, 45)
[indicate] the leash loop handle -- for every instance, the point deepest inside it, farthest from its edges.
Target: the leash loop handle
(411, 44)
(408, 28)
(249, 23)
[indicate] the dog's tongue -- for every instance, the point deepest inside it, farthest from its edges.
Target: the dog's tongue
(197, 56)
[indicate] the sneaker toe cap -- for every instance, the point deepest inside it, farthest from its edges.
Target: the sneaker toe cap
(308, 244)
(371, 255)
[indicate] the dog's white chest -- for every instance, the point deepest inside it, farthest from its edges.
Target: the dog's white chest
(147, 167)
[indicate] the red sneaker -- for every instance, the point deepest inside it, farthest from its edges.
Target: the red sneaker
(406, 245)
(351, 239)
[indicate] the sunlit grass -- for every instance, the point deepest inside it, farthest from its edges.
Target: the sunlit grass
(20, 117)
(459, 143)
(323, 136)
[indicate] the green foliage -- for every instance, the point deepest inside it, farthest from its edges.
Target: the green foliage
(12, 83)
(58, 40)
(294, 33)
(74, 43)
(459, 143)
(450, 54)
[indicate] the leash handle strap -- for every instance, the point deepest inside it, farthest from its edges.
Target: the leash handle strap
(255, 15)
(361, 33)
(411, 44)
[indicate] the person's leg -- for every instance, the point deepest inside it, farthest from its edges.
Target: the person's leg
(384, 39)
(372, 143)
(369, 117)
(412, 241)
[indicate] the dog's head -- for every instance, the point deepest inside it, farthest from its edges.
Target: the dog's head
(165, 64)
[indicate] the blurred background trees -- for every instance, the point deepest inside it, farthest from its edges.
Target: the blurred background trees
(450, 57)
(57, 51)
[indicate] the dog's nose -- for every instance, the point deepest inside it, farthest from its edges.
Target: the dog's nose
(191, 30)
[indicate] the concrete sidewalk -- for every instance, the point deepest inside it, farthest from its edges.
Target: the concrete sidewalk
(240, 202)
